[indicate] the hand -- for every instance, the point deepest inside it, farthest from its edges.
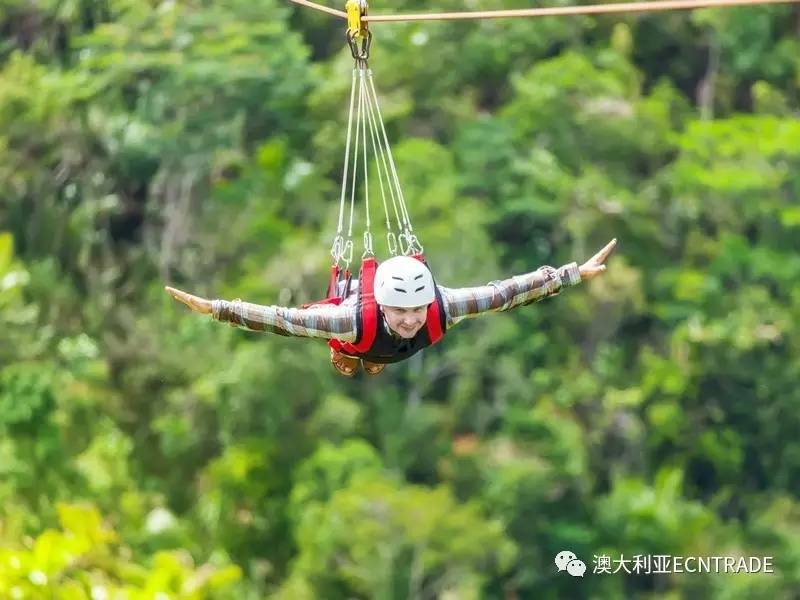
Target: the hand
(196, 303)
(594, 266)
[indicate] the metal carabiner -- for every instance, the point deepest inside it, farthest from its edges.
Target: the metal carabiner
(367, 245)
(415, 245)
(347, 253)
(337, 249)
(405, 243)
(391, 240)
(359, 54)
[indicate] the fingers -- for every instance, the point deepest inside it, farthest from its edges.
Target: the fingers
(178, 295)
(196, 303)
(601, 256)
(590, 272)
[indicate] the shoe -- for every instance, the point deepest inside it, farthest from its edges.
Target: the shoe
(372, 368)
(346, 365)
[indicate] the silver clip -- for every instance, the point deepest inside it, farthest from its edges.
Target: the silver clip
(347, 253)
(367, 245)
(337, 249)
(405, 243)
(391, 240)
(415, 245)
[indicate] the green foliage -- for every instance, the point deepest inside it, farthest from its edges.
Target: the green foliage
(26, 400)
(377, 538)
(200, 144)
(83, 559)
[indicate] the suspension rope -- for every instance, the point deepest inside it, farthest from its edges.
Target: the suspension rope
(355, 162)
(405, 219)
(363, 115)
(381, 151)
(365, 111)
(338, 247)
(394, 191)
(347, 152)
(591, 9)
(380, 161)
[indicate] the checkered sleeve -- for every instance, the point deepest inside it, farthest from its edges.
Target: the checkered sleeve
(321, 321)
(497, 296)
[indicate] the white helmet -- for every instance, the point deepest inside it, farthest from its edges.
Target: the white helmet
(404, 282)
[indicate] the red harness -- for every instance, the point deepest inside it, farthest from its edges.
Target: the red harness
(370, 312)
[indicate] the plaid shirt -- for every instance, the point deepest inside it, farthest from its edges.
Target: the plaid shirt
(339, 322)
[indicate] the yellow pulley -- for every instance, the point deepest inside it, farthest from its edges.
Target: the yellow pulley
(357, 28)
(356, 9)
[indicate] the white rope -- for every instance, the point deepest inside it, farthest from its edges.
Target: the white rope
(368, 115)
(337, 249)
(355, 161)
(363, 99)
(401, 200)
(394, 191)
(380, 161)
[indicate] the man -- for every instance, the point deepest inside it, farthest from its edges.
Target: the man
(407, 299)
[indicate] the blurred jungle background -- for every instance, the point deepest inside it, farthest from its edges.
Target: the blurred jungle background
(149, 453)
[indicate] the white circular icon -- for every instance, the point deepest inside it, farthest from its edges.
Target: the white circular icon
(576, 568)
(563, 558)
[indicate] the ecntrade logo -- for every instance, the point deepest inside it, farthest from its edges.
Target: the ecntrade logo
(647, 564)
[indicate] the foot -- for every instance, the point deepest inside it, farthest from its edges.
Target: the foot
(346, 365)
(372, 368)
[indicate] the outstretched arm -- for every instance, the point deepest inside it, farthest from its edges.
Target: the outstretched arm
(324, 321)
(520, 290)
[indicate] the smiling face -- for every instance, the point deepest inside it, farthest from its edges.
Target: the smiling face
(405, 322)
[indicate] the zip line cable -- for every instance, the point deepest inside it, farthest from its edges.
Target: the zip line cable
(552, 11)
(330, 11)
